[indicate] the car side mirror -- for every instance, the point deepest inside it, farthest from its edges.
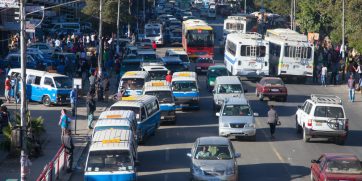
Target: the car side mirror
(256, 114)
(189, 155)
(217, 114)
(237, 155)
(314, 161)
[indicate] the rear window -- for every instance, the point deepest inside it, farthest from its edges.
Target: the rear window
(344, 167)
(328, 111)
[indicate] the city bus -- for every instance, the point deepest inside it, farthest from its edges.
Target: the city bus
(291, 55)
(239, 24)
(154, 32)
(247, 54)
(197, 38)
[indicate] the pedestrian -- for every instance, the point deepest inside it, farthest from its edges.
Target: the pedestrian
(154, 46)
(359, 70)
(73, 100)
(64, 121)
(324, 75)
(67, 142)
(4, 117)
(168, 77)
(92, 82)
(106, 88)
(272, 120)
(7, 89)
(351, 88)
(91, 107)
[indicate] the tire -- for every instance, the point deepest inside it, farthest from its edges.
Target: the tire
(297, 126)
(306, 138)
(340, 141)
(46, 101)
(261, 97)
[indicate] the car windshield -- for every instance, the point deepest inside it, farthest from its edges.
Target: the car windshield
(109, 160)
(213, 152)
(136, 110)
(273, 82)
(229, 88)
(236, 110)
(329, 112)
(162, 96)
(344, 166)
(132, 83)
(131, 66)
(217, 72)
(204, 60)
(175, 67)
(158, 75)
(63, 82)
(184, 86)
(148, 56)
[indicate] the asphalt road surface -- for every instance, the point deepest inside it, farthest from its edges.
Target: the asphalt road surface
(163, 157)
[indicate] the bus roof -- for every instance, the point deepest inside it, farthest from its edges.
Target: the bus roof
(244, 36)
(286, 35)
(196, 24)
(150, 68)
(176, 51)
(134, 101)
(118, 114)
(37, 72)
(135, 74)
(112, 122)
(157, 88)
(111, 139)
(184, 74)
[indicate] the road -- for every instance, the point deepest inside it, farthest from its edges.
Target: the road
(163, 157)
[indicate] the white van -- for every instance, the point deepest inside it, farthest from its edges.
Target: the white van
(132, 82)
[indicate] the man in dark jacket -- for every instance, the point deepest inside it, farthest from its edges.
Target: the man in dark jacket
(67, 141)
(91, 107)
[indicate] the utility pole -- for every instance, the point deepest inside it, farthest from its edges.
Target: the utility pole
(294, 8)
(129, 22)
(100, 42)
(343, 47)
(291, 15)
(24, 161)
(118, 14)
(244, 6)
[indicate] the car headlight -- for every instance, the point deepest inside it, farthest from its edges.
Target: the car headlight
(230, 171)
(251, 125)
(196, 170)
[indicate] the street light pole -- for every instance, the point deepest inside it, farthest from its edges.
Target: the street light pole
(100, 42)
(244, 6)
(118, 14)
(24, 162)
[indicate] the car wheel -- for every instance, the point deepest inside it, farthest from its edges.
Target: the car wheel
(46, 101)
(297, 126)
(340, 141)
(261, 97)
(306, 138)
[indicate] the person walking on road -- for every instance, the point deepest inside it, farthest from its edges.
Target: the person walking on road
(73, 100)
(272, 120)
(351, 88)
(324, 75)
(67, 141)
(169, 77)
(154, 45)
(91, 107)
(7, 89)
(64, 121)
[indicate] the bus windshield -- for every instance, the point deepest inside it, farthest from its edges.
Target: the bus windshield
(200, 38)
(63, 82)
(162, 96)
(152, 32)
(132, 83)
(217, 72)
(184, 86)
(158, 75)
(109, 160)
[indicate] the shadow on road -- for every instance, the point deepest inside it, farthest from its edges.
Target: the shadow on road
(272, 172)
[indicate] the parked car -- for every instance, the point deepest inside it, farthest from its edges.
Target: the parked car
(336, 166)
(271, 87)
(213, 158)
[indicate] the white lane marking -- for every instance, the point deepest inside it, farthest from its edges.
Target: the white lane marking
(167, 154)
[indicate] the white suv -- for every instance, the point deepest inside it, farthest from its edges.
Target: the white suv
(322, 116)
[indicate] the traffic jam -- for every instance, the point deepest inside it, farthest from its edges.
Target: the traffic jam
(156, 88)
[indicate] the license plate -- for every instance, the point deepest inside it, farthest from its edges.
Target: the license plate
(184, 105)
(318, 124)
(275, 90)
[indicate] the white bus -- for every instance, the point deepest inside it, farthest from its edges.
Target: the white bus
(154, 32)
(290, 53)
(247, 55)
(239, 24)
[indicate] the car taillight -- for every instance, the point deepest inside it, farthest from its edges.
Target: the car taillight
(265, 89)
(310, 122)
(347, 125)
